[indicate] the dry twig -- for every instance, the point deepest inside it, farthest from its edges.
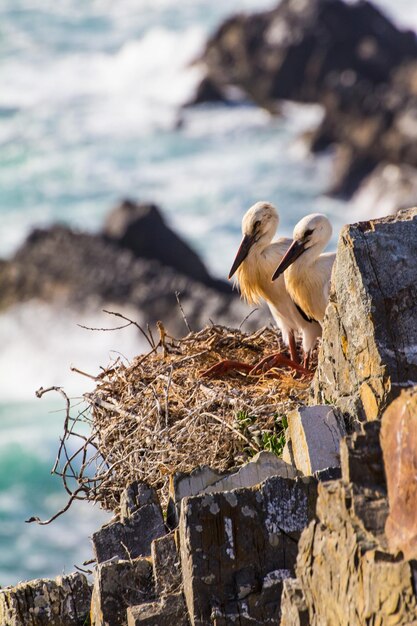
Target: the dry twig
(156, 416)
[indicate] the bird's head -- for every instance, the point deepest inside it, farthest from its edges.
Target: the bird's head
(259, 224)
(313, 231)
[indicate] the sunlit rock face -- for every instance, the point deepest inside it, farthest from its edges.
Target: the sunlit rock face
(368, 352)
(346, 574)
(398, 440)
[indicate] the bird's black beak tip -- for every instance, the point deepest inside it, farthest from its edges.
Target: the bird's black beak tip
(242, 253)
(276, 274)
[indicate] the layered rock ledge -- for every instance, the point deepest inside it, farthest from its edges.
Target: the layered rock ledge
(328, 538)
(368, 351)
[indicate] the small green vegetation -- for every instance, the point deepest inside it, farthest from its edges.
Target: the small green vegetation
(244, 419)
(273, 443)
(269, 440)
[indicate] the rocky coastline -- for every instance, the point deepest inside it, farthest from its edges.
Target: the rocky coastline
(325, 535)
(347, 57)
(137, 264)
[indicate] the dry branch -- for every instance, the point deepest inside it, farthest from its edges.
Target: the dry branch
(157, 416)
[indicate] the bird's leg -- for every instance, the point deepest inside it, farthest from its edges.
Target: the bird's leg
(277, 360)
(225, 366)
(267, 363)
(306, 359)
(293, 348)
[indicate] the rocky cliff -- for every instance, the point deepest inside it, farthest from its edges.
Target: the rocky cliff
(326, 537)
(369, 343)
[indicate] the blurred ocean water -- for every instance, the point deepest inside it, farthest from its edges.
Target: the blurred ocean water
(89, 114)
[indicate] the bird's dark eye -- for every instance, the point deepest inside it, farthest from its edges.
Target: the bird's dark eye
(308, 233)
(256, 225)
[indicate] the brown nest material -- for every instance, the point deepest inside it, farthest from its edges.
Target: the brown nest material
(157, 415)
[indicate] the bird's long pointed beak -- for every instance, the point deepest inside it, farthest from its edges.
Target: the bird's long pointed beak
(242, 253)
(295, 250)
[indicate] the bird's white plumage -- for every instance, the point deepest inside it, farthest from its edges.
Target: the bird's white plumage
(254, 274)
(308, 278)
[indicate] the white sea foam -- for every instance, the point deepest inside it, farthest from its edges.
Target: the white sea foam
(39, 345)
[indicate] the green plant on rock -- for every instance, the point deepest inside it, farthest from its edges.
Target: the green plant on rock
(269, 440)
(273, 442)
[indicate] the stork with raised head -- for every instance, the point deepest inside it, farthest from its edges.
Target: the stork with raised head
(307, 269)
(256, 259)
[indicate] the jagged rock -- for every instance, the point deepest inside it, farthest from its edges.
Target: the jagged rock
(118, 585)
(141, 228)
(264, 605)
(322, 39)
(329, 473)
(345, 574)
(361, 458)
(369, 335)
(262, 466)
(238, 546)
(348, 57)
(63, 601)
(315, 433)
(398, 440)
(169, 611)
(166, 565)
(83, 271)
(136, 496)
(293, 604)
(130, 538)
(206, 480)
(207, 91)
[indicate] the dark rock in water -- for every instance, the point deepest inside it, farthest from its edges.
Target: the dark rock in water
(348, 57)
(142, 229)
(389, 188)
(368, 351)
(82, 271)
(300, 48)
(207, 92)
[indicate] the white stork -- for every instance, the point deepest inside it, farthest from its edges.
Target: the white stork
(256, 259)
(307, 270)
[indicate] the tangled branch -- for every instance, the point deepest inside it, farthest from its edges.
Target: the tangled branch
(156, 416)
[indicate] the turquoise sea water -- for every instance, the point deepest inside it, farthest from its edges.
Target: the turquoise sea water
(89, 113)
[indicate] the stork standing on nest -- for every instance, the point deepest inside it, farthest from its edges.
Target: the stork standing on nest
(256, 259)
(307, 270)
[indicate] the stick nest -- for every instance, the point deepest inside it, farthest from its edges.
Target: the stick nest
(157, 415)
